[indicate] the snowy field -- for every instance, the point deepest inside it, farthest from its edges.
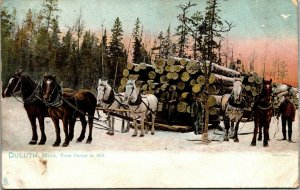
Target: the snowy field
(166, 159)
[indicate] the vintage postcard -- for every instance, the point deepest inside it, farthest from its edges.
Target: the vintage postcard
(149, 94)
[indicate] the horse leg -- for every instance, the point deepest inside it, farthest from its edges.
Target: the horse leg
(91, 123)
(34, 132)
(260, 133)
(146, 125)
(57, 131)
(112, 128)
(231, 129)
(71, 126)
(142, 124)
(109, 124)
(83, 123)
(266, 135)
(236, 129)
(66, 130)
(42, 128)
(152, 123)
(227, 124)
(134, 124)
(128, 126)
(256, 127)
(123, 123)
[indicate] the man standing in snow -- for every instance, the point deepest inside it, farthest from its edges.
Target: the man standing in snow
(287, 112)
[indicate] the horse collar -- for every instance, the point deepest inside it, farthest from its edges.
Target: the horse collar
(58, 100)
(110, 99)
(267, 107)
(137, 102)
(234, 104)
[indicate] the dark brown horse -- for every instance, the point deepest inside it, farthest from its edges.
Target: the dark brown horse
(263, 110)
(67, 107)
(33, 105)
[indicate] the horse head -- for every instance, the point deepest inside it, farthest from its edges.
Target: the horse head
(237, 91)
(130, 91)
(266, 90)
(49, 87)
(103, 90)
(14, 84)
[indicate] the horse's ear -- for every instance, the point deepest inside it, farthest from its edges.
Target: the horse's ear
(46, 74)
(61, 83)
(19, 71)
(99, 81)
(270, 80)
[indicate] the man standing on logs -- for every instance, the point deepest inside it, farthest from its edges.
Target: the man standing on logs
(197, 115)
(170, 99)
(287, 112)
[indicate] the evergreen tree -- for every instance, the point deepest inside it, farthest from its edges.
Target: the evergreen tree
(182, 30)
(54, 45)
(116, 46)
(7, 51)
(137, 44)
(167, 44)
(117, 55)
(48, 12)
(160, 43)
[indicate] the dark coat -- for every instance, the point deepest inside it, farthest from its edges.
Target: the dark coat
(287, 109)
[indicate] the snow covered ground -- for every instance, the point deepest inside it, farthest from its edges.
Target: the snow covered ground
(166, 159)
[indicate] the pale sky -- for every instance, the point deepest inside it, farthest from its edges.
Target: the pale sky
(269, 27)
(253, 18)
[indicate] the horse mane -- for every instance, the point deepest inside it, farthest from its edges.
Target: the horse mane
(29, 80)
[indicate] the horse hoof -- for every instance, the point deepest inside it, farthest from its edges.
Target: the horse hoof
(146, 132)
(32, 142)
(42, 142)
(226, 139)
(111, 134)
(65, 145)
(259, 139)
(141, 135)
(88, 142)
(107, 132)
(152, 133)
(266, 144)
(236, 140)
(253, 143)
(56, 144)
(134, 135)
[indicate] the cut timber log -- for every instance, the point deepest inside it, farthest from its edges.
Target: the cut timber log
(224, 71)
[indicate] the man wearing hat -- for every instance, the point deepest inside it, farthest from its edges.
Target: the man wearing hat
(170, 99)
(287, 112)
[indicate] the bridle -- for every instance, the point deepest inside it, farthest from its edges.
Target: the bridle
(267, 94)
(19, 82)
(57, 101)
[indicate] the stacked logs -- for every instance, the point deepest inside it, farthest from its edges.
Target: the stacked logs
(280, 90)
(251, 85)
(187, 77)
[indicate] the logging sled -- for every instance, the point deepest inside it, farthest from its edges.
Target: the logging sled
(165, 95)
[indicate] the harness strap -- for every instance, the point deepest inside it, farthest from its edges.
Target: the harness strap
(71, 105)
(263, 108)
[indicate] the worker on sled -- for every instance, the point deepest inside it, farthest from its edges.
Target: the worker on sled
(287, 111)
(170, 99)
(197, 115)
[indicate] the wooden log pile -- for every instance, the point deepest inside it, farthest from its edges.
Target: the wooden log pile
(251, 85)
(187, 78)
(280, 90)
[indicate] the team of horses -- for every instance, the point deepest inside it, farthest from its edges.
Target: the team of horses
(49, 99)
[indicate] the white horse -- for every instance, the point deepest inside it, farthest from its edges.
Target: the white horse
(108, 99)
(233, 109)
(140, 106)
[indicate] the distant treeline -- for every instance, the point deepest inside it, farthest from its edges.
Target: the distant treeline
(78, 57)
